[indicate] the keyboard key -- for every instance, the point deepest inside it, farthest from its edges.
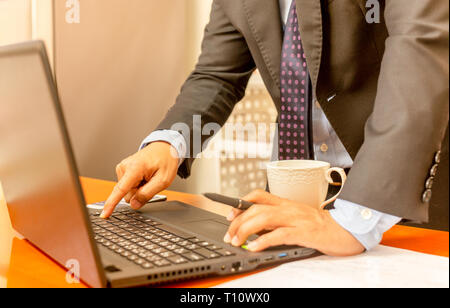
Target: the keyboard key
(107, 243)
(123, 244)
(176, 239)
(207, 253)
(153, 258)
(161, 263)
(226, 253)
(114, 247)
(165, 243)
(167, 254)
(184, 243)
(150, 237)
(145, 255)
(132, 257)
(161, 233)
(193, 256)
(143, 243)
(151, 247)
(147, 265)
(126, 253)
(173, 247)
(159, 250)
(213, 247)
(192, 247)
(178, 260)
(139, 261)
(181, 251)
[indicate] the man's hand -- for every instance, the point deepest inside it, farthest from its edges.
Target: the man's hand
(143, 175)
(289, 223)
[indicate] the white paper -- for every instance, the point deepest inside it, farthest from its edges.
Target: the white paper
(383, 267)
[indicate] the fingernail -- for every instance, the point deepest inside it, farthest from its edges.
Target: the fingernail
(227, 238)
(252, 246)
(135, 204)
(230, 216)
(235, 241)
(103, 215)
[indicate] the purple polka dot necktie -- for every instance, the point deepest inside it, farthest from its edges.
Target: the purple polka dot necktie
(295, 102)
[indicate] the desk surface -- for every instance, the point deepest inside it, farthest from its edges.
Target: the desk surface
(29, 267)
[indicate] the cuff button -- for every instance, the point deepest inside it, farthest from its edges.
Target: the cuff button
(434, 170)
(366, 214)
(429, 183)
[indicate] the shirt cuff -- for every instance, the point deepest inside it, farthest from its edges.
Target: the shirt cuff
(366, 225)
(172, 137)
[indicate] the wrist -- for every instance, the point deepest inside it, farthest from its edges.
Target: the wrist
(163, 147)
(339, 242)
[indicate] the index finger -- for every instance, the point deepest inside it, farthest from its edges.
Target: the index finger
(129, 181)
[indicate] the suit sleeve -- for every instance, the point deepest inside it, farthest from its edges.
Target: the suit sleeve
(411, 112)
(217, 83)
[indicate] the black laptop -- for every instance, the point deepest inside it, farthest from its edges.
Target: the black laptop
(163, 242)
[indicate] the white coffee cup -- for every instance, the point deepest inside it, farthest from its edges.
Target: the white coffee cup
(303, 181)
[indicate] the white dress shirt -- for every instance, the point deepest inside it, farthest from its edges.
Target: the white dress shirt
(366, 225)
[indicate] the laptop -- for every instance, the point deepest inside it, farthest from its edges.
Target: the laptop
(163, 242)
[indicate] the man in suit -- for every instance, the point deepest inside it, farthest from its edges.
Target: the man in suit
(368, 96)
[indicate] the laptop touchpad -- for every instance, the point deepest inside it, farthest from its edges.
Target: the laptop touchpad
(208, 228)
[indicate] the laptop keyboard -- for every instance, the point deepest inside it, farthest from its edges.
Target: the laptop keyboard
(150, 244)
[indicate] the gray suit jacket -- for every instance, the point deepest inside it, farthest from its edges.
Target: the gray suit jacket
(389, 81)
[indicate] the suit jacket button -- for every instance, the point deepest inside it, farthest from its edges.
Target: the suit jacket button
(429, 183)
(324, 148)
(433, 170)
(427, 196)
(437, 157)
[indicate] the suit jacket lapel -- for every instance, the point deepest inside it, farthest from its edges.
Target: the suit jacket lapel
(264, 20)
(309, 14)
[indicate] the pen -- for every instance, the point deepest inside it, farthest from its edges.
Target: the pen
(234, 202)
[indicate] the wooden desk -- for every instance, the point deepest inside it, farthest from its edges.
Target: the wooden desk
(31, 268)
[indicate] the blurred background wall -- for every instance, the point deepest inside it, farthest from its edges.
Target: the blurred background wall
(119, 65)
(119, 68)
(15, 21)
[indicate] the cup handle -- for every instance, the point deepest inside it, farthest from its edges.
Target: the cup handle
(330, 180)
